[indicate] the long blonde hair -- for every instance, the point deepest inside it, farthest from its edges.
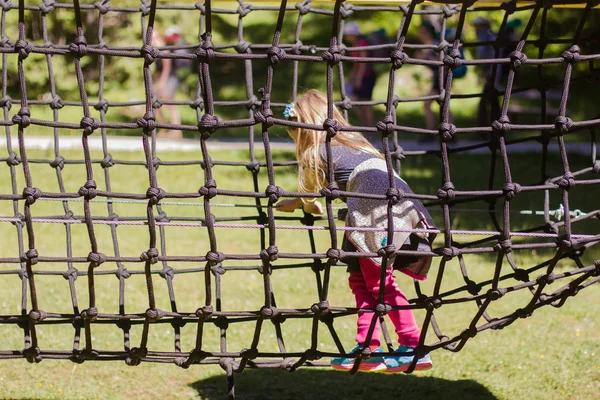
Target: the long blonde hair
(311, 108)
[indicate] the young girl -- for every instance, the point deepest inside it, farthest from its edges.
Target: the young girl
(359, 167)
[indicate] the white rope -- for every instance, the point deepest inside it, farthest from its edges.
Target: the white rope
(558, 214)
(287, 227)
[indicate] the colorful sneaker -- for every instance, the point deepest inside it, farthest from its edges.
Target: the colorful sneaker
(368, 364)
(401, 363)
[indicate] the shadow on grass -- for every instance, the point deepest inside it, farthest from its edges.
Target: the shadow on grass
(326, 384)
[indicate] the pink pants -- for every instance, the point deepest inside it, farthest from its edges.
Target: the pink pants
(365, 287)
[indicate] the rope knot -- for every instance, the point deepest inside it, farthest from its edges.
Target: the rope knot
(201, 7)
(23, 48)
(517, 59)
(546, 279)
(320, 308)
(218, 269)
(399, 58)
(304, 7)
(242, 47)
(253, 103)
(509, 7)
(504, 245)
(447, 131)
(154, 315)
(91, 314)
(394, 195)
(30, 255)
(167, 272)
(397, 154)
(244, 9)
(595, 168)
(103, 7)
(297, 47)
(150, 53)
(135, 356)
(495, 294)
(264, 117)
(269, 312)
(453, 60)
(386, 126)
(334, 255)
(432, 303)
(147, 122)
(209, 189)
(511, 190)
(150, 256)
(107, 161)
(88, 190)
(468, 333)
(442, 46)
(597, 270)
(96, 259)
(446, 192)
(566, 245)
(6, 4)
(208, 125)
(31, 195)
(522, 313)
(382, 309)
(331, 191)
(567, 181)
(206, 51)
(101, 105)
(71, 274)
(269, 254)
(22, 118)
(13, 159)
(37, 316)
(197, 104)
(332, 126)
(521, 275)
(274, 193)
(332, 55)
(346, 10)
(250, 354)
(253, 166)
(154, 195)
(346, 104)
(89, 125)
(450, 10)
(388, 251)
(56, 103)
(79, 46)
(502, 124)
(563, 124)
(205, 312)
(450, 252)
(572, 54)
(6, 101)
(275, 55)
(32, 355)
(215, 257)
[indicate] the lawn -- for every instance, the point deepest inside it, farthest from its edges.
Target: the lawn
(551, 355)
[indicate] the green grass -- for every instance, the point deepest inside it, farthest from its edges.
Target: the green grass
(551, 355)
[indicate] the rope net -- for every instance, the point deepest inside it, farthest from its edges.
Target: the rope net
(575, 57)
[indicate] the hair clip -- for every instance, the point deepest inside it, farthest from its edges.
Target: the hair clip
(290, 111)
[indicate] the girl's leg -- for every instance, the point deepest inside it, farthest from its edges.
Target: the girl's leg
(364, 299)
(403, 320)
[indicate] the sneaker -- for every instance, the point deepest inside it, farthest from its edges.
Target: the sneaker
(401, 363)
(368, 364)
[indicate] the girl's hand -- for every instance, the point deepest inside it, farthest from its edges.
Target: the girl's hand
(289, 205)
(314, 207)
